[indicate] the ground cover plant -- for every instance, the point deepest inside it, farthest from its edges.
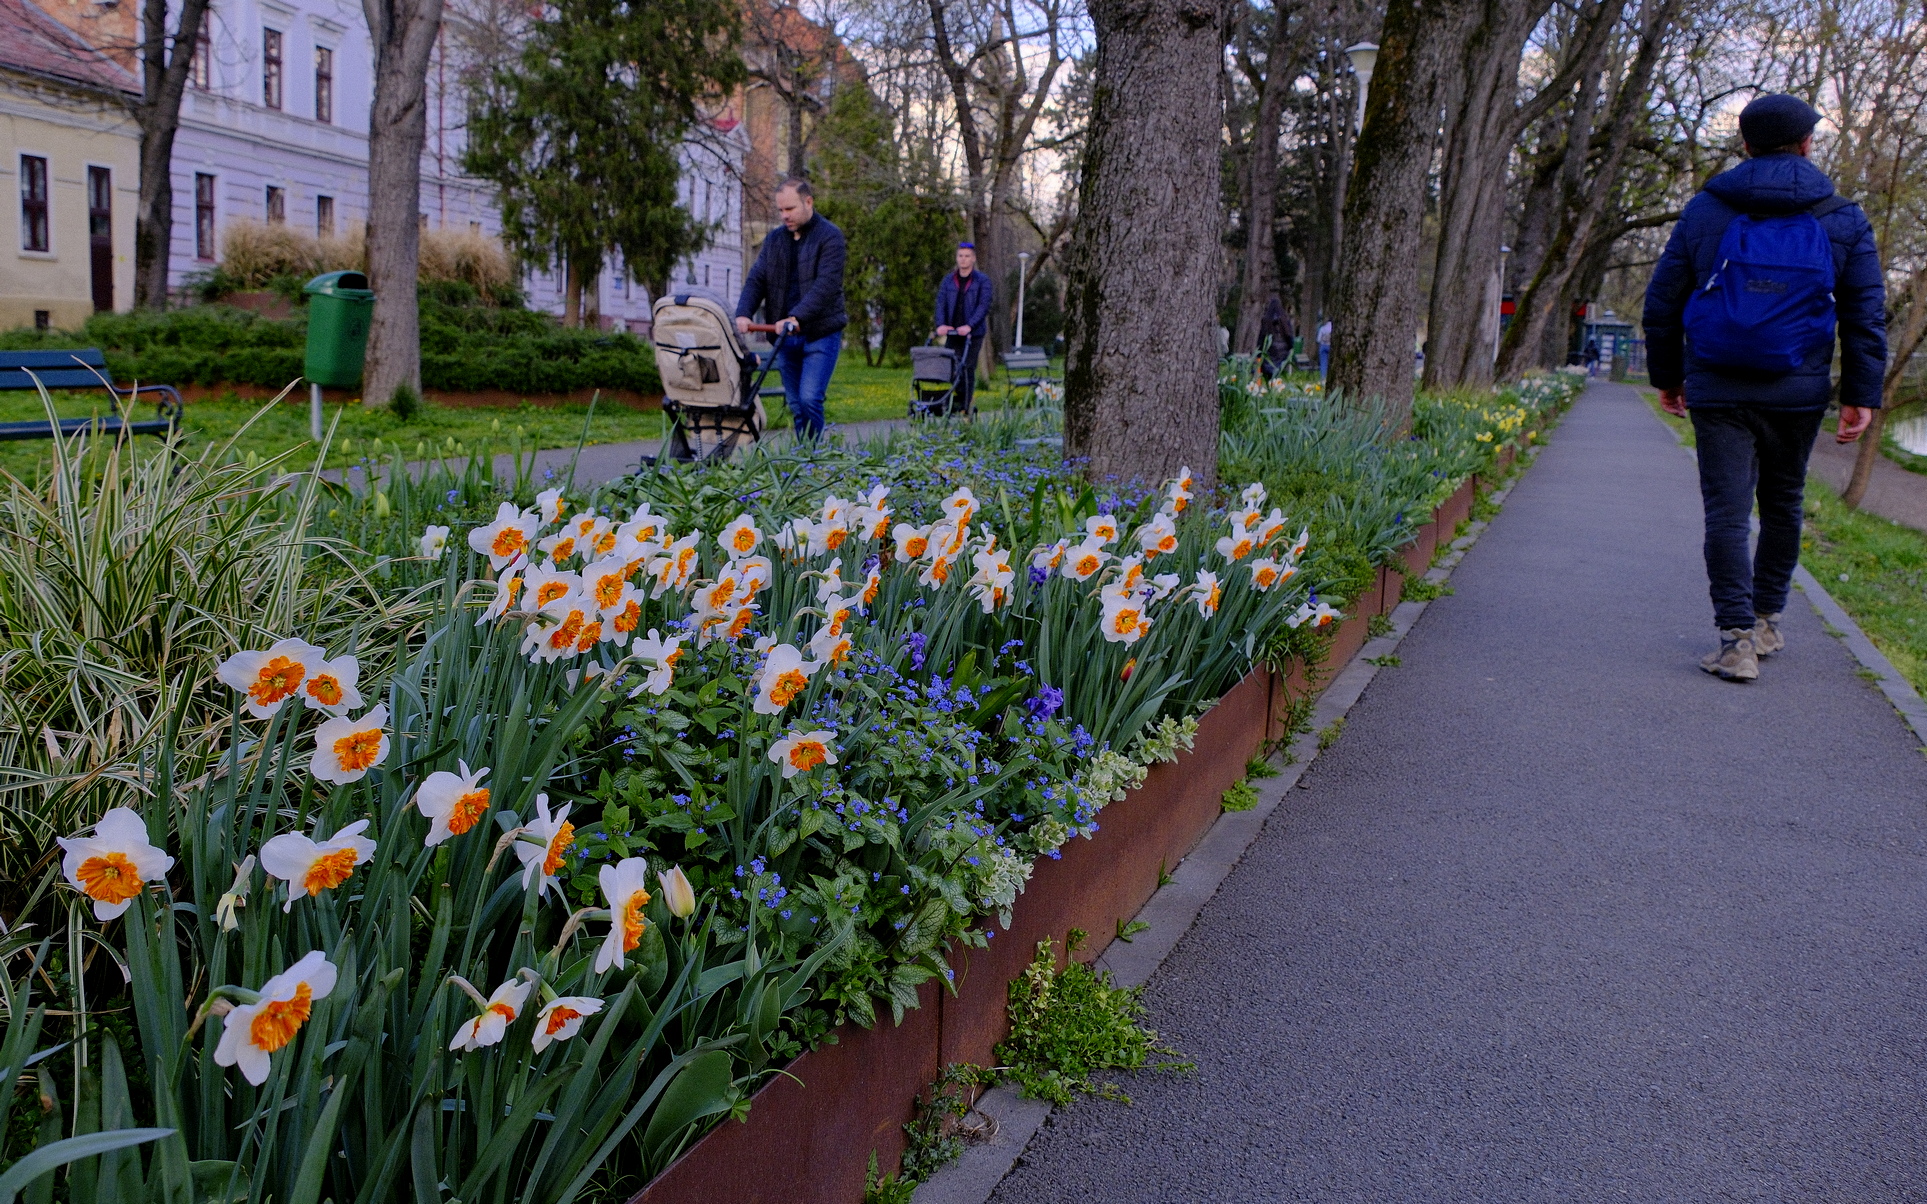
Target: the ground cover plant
(519, 836)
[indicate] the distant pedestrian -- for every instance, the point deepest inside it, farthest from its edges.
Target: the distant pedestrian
(1592, 357)
(963, 318)
(1275, 338)
(798, 282)
(1740, 320)
(1324, 349)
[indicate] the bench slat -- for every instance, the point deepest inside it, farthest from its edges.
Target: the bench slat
(90, 356)
(15, 431)
(54, 378)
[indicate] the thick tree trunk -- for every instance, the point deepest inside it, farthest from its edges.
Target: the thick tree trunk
(1461, 335)
(571, 294)
(163, 82)
(1141, 379)
(1261, 189)
(1375, 305)
(404, 33)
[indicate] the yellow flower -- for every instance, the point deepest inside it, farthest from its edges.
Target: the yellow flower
(253, 1031)
(310, 866)
(270, 678)
(346, 749)
(110, 866)
(625, 887)
(800, 752)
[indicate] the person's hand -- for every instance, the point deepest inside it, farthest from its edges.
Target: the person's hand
(964, 331)
(788, 326)
(1853, 423)
(742, 326)
(1673, 401)
(943, 332)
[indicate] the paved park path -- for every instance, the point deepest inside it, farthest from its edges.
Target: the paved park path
(1559, 917)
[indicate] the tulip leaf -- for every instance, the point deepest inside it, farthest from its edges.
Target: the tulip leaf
(702, 1088)
(49, 1158)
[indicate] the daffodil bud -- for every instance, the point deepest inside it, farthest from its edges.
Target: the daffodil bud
(677, 894)
(381, 504)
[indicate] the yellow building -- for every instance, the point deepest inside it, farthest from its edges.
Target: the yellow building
(69, 174)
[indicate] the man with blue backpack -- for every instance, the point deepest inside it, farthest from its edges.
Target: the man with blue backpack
(1740, 320)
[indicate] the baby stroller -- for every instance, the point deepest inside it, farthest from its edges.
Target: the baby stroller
(711, 384)
(936, 382)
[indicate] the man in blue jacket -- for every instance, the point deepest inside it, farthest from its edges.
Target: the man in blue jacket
(798, 280)
(963, 317)
(1755, 428)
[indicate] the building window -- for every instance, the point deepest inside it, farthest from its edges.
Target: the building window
(199, 70)
(271, 68)
(203, 216)
(43, 319)
(324, 217)
(100, 236)
(324, 84)
(34, 235)
(277, 206)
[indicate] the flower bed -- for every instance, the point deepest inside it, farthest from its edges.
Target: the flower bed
(634, 808)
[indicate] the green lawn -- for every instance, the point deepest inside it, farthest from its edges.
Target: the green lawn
(1875, 569)
(858, 393)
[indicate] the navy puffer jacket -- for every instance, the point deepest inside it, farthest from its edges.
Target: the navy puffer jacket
(1775, 184)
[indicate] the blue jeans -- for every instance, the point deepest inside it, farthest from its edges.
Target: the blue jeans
(806, 365)
(1324, 360)
(1748, 451)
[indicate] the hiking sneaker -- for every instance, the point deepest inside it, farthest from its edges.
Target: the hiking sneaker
(1736, 659)
(1767, 639)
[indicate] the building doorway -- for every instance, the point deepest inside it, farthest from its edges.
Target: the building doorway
(100, 236)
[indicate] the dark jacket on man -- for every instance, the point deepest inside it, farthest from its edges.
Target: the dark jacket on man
(1767, 186)
(965, 301)
(799, 277)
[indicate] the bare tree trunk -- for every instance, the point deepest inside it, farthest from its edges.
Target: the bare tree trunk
(404, 34)
(1905, 338)
(1375, 319)
(163, 81)
(1863, 461)
(571, 293)
(1261, 189)
(1141, 380)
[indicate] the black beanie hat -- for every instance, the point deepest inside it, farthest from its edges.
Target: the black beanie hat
(1777, 120)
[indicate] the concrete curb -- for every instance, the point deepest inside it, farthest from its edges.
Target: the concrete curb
(1175, 907)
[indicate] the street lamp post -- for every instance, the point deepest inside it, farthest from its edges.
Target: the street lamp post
(1023, 259)
(1364, 57)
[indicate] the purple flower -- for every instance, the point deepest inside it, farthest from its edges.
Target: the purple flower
(1048, 702)
(917, 642)
(1039, 574)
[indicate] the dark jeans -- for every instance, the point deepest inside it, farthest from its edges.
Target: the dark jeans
(968, 348)
(806, 366)
(1744, 452)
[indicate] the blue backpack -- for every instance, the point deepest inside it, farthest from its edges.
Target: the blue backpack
(1769, 305)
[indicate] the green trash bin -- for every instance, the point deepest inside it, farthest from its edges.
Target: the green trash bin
(339, 306)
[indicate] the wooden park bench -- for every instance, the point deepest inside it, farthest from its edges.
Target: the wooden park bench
(1026, 368)
(83, 369)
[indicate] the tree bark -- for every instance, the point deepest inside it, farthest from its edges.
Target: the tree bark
(1863, 461)
(1375, 306)
(1261, 188)
(1141, 378)
(404, 33)
(158, 113)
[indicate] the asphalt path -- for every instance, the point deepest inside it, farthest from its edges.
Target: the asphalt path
(1558, 917)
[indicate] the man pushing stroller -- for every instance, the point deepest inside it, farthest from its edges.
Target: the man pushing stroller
(963, 318)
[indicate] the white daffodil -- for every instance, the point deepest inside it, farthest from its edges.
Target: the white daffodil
(1163, 585)
(1159, 536)
(505, 538)
(661, 653)
(1183, 479)
(272, 677)
(716, 597)
(1272, 526)
(558, 547)
(1130, 571)
(311, 866)
(562, 1018)
(545, 583)
(832, 579)
(508, 591)
(672, 568)
(251, 1032)
(677, 895)
(872, 585)
(499, 1011)
(346, 749)
(784, 677)
(544, 842)
(1253, 496)
(1318, 616)
(622, 619)
(1176, 498)
(912, 542)
(1082, 562)
(831, 648)
(331, 685)
(1299, 545)
(452, 802)
(1236, 546)
(560, 628)
(755, 572)
(740, 537)
(961, 506)
(936, 572)
(800, 752)
(872, 518)
(837, 613)
(1267, 572)
(603, 580)
(625, 887)
(1050, 556)
(991, 584)
(641, 530)
(1245, 522)
(1208, 592)
(1100, 529)
(549, 507)
(110, 866)
(1124, 621)
(433, 543)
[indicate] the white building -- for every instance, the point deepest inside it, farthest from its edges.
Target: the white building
(275, 129)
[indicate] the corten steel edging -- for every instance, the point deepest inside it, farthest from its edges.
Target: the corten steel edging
(1417, 555)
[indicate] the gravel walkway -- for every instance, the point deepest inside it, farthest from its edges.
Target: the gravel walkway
(1559, 917)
